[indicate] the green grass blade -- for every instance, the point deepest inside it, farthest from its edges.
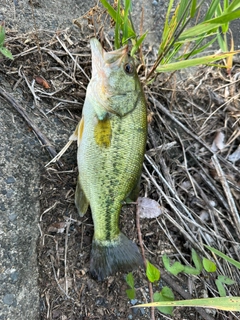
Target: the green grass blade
(110, 9)
(138, 44)
(198, 49)
(221, 42)
(222, 255)
(193, 8)
(209, 25)
(127, 7)
(233, 6)
(183, 9)
(211, 10)
(194, 62)
(166, 24)
(225, 4)
(117, 38)
(223, 303)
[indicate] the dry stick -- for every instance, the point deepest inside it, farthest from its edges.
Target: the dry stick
(144, 259)
(66, 49)
(65, 258)
(44, 140)
(165, 111)
(231, 202)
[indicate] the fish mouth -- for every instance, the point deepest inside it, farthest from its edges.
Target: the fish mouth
(101, 58)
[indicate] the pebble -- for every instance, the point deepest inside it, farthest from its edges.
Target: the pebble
(14, 276)
(9, 299)
(10, 180)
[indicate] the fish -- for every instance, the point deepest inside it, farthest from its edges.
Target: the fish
(111, 138)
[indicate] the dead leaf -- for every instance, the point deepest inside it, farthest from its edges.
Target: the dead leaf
(42, 82)
(148, 208)
(218, 142)
(235, 156)
(58, 227)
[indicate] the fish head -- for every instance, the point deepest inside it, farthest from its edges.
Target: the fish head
(114, 79)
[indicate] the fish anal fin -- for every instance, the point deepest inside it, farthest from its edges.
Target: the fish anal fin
(81, 201)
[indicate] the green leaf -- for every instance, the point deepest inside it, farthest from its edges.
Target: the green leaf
(6, 52)
(226, 258)
(130, 280)
(209, 266)
(191, 270)
(219, 283)
(153, 274)
(197, 261)
(225, 303)
(175, 269)
(220, 287)
(131, 293)
(2, 35)
(138, 43)
(166, 294)
(226, 280)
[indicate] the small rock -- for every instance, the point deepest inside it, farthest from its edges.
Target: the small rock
(12, 217)
(10, 180)
(14, 276)
(134, 301)
(9, 299)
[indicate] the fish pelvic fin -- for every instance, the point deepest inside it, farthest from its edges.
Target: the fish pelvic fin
(81, 201)
(109, 257)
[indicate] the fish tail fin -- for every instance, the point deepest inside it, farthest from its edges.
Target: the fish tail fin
(108, 257)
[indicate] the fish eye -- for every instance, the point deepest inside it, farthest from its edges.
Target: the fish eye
(129, 68)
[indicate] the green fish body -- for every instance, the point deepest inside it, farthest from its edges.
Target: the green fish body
(111, 144)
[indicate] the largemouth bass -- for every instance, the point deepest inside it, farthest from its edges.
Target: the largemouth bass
(111, 144)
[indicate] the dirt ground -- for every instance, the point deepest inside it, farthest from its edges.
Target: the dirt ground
(188, 169)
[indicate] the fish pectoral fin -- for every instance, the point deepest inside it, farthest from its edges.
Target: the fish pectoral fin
(77, 134)
(81, 201)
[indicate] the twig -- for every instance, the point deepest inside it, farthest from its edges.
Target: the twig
(144, 258)
(164, 110)
(228, 194)
(55, 276)
(43, 139)
(66, 49)
(65, 257)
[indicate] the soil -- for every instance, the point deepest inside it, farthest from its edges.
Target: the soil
(196, 186)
